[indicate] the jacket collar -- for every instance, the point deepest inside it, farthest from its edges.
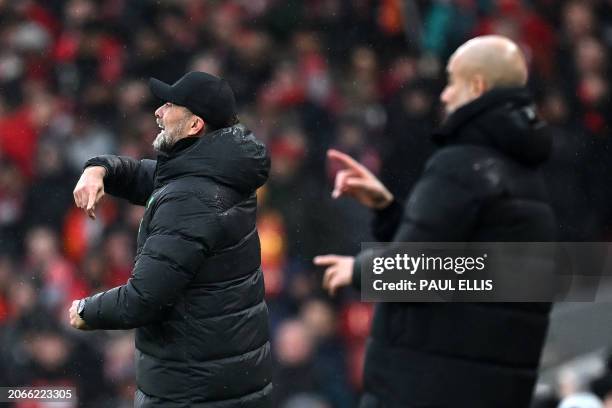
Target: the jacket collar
(490, 100)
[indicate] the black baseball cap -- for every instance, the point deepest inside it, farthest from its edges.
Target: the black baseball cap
(204, 94)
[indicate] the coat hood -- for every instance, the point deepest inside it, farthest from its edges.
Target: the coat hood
(504, 119)
(231, 156)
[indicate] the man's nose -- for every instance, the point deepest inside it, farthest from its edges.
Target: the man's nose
(159, 112)
(443, 96)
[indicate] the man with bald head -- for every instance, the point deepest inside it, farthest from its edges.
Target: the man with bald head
(482, 64)
(482, 184)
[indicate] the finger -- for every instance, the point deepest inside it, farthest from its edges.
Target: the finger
(334, 285)
(328, 276)
(346, 160)
(91, 206)
(356, 182)
(91, 200)
(83, 199)
(325, 260)
(99, 194)
(79, 191)
(77, 198)
(339, 183)
(332, 290)
(324, 280)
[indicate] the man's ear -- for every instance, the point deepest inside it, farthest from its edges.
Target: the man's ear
(196, 126)
(478, 85)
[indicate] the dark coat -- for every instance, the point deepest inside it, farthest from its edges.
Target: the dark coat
(482, 184)
(196, 294)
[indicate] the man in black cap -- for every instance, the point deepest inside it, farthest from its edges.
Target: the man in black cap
(196, 293)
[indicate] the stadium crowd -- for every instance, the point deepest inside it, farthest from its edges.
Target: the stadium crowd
(308, 75)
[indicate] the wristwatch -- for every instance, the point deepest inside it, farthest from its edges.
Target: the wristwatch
(81, 308)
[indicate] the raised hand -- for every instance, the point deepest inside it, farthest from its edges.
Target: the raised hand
(339, 271)
(356, 181)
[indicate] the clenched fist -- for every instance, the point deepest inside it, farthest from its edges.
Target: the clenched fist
(75, 319)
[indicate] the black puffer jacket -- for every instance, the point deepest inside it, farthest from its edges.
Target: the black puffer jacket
(196, 294)
(482, 184)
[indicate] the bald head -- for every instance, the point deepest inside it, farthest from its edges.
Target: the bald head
(482, 64)
(499, 60)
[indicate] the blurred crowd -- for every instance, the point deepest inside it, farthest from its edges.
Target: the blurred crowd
(361, 76)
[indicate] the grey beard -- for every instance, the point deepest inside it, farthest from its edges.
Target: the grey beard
(164, 141)
(168, 137)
